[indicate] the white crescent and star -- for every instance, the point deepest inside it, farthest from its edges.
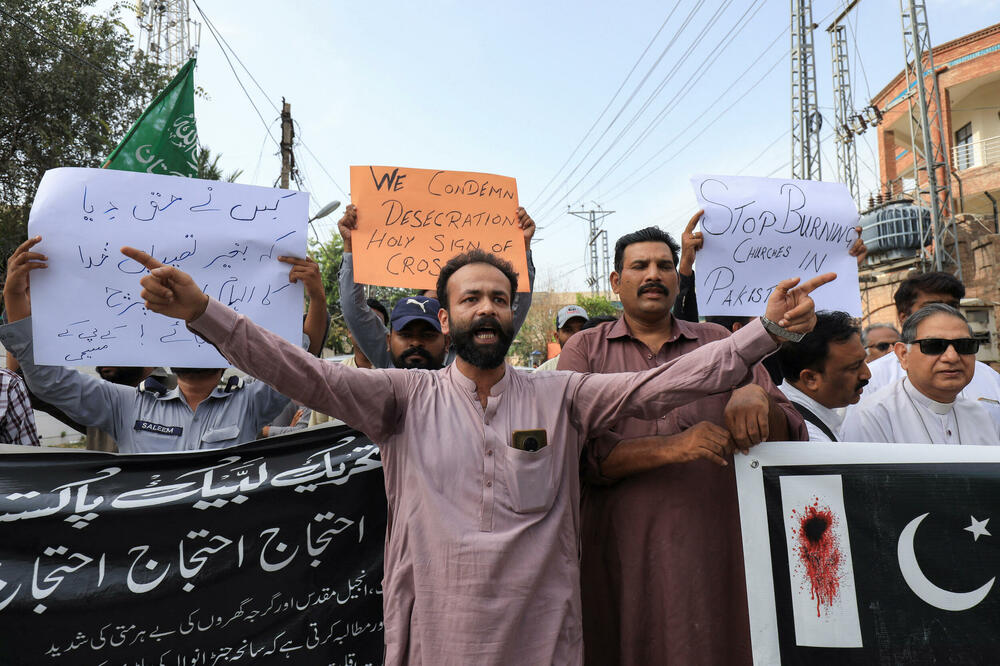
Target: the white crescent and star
(922, 586)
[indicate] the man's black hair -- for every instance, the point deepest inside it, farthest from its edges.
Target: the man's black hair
(812, 351)
(647, 235)
(927, 283)
(376, 305)
(473, 257)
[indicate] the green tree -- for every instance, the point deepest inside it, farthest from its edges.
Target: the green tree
(209, 169)
(71, 85)
(597, 306)
(329, 256)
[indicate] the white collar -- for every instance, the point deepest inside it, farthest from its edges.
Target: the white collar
(940, 408)
(830, 416)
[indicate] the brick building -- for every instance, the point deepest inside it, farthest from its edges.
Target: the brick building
(968, 76)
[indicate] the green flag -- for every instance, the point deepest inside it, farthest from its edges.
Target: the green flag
(164, 139)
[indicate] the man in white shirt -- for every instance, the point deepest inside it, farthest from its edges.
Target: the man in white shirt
(569, 321)
(938, 354)
(912, 295)
(824, 372)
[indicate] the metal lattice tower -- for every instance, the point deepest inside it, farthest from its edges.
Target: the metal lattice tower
(167, 35)
(843, 104)
(599, 282)
(927, 128)
(806, 120)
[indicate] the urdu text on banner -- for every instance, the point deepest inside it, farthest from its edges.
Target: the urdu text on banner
(412, 221)
(760, 231)
(86, 306)
(270, 552)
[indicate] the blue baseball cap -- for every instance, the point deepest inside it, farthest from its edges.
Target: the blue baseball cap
(410, 308)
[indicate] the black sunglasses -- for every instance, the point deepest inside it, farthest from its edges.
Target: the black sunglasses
(938, 346)
(881, 346)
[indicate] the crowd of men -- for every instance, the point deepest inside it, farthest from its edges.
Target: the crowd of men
(583, 512)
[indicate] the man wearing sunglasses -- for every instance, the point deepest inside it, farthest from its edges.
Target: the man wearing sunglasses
(938, 353)
(879, 339)
(913, 294)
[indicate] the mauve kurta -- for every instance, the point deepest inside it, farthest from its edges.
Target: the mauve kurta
(481, 561)
(662, 556)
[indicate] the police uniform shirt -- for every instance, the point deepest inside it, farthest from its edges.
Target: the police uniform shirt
(146, 421)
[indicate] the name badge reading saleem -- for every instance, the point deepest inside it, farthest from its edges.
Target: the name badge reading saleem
(148, 426)
(529, 440)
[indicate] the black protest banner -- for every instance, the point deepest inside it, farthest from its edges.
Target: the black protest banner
(263, 553)
(888, 559)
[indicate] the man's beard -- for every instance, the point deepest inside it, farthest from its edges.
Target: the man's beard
(409, 359)
(484, 356)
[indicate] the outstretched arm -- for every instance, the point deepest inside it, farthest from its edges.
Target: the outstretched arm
(600, 401)
(372, 402)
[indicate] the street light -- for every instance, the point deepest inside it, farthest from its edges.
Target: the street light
(323, 212)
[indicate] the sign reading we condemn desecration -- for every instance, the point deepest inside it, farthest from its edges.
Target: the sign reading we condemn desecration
(86, 306)
(760, 231)
(871, 553)
(412, 221)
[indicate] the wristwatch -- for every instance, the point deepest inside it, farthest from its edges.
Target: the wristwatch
(782, 333)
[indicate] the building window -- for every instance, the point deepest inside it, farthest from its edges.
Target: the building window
(963, 147)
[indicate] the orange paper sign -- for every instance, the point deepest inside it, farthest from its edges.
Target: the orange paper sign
(412, 221)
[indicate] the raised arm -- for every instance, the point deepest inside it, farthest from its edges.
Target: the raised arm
(370, 401)
(522, 299)
(686, 304)
(316, 322)
(87, 400)
(364, 323)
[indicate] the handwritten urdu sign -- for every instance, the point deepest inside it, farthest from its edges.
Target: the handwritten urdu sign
(412, 221)
(759, 231)
(86, 308)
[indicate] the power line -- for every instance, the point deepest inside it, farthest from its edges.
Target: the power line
(635, 92)
(692, 80)
(608, 105)
(649, 100)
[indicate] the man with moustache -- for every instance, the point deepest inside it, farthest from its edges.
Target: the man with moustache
(938, 354)
(824, 371)
(661, 554)
(481, 460)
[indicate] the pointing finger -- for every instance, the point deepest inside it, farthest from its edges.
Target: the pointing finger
(816, 282)
(693, 222)
(141, 257)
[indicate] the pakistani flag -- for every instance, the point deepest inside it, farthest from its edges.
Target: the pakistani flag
(164, 139)
(872, 553)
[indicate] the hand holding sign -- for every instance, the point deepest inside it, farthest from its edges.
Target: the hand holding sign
(16, 289)
(691, 242)
(167, 290)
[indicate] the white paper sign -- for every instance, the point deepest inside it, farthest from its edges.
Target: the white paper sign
(760, 231)
(86, 308)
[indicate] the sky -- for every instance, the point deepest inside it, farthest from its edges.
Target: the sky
(671, 89)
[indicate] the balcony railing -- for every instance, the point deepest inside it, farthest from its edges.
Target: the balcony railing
(976, 153)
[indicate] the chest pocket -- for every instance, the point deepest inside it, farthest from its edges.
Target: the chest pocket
(531, 479)
(219, 437)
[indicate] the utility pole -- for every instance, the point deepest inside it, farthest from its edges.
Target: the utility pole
(598, 282)
(806, 120)
(843, 105)
(287, 134)
(926, 123)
